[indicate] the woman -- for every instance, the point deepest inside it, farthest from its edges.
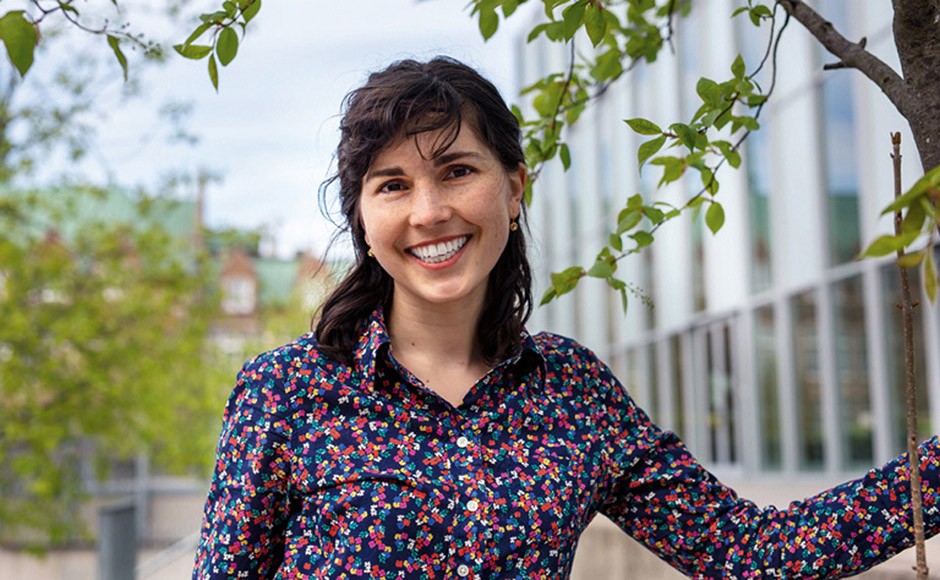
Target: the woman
(420, 432)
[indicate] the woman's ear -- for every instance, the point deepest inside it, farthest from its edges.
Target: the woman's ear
(517, 181)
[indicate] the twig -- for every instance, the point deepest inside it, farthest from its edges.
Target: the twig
(842, 63)
(907, 308)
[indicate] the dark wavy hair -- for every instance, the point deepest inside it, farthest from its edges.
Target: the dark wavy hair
(409, 98)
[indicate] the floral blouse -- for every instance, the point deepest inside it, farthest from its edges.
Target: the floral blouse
(332, 471)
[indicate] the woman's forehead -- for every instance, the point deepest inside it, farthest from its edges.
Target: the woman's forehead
(433, 143)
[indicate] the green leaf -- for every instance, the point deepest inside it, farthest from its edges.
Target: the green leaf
(197, 33)
(642, 239)
(749, 123)
(737, 68)
(595, 24)
(635, 201)
(565, 154)
(654, 214)
(755, 17)
(628, 219)
(615, 242)
(573, 17)
(650, 148)
(601, 269)
(548, 296)
(193, 51)
(489, 23)
(756, 100)
(915, 218)
(762, 11)
(687, 135)
(709, 181)
(709, 91)
(19, 37)
(673, 168)
(213, 17)
(251, 10)
(510, 6)
(715, 217)
(608, 66)
(214, 72)
(887, 244)
(930, 277)
(643, 126)
(912, 260)
(534, 33)
(226, 47)
(566, 280)
(115, 45)
(930, 179)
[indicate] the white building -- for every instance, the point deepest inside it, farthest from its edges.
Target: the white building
(771, 350)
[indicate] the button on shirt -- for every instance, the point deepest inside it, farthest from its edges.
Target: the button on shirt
(333, 471)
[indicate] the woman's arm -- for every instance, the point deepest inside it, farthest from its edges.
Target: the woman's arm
(664, 498)
(246, 511)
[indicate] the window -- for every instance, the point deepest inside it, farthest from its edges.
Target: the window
(678, 391)
(768, 399)
(752, 42)
(855, 417)
(721, 396)
(238, 295)
(894, 343)
(757, 165)
(839, 151)
(808, 382)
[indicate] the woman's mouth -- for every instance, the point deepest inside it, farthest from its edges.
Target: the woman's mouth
(439, 252)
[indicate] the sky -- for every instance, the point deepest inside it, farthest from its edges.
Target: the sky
(272, 128)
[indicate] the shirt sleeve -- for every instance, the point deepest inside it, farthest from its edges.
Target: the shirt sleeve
(246, 511)
(660, 495)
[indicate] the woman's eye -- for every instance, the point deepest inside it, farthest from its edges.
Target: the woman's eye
(460, 171)
(391, 187)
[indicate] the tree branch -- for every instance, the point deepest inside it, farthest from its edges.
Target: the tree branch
(853, 55)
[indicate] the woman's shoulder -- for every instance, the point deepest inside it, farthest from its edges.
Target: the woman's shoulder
(562, 352)
(299, 361)
(557, 345)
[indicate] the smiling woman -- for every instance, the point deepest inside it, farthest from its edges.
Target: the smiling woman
(421, 432)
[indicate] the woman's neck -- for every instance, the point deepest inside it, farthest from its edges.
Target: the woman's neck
(434, 334)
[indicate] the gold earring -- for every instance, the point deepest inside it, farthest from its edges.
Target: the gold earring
(370, 253)
(513, 225)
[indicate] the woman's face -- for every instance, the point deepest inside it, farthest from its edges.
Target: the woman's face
(438, 226)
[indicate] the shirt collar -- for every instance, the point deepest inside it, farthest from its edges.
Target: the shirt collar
(374, 343)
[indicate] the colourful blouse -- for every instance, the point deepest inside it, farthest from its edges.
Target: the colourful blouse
(332, 471)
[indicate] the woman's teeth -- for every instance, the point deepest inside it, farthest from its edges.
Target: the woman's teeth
(435, 253)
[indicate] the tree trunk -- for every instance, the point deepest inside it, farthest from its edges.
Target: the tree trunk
(917, 36)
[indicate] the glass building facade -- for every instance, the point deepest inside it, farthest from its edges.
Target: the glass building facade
(770, 349)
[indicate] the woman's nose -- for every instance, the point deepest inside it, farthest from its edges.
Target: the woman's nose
(430, 206)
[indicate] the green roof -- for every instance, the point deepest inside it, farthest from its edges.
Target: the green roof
(276, 279)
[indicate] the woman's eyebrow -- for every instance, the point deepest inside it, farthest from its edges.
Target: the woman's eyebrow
(446, 158)
(393, 171)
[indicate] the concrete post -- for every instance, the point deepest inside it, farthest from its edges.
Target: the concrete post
(117, 541)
